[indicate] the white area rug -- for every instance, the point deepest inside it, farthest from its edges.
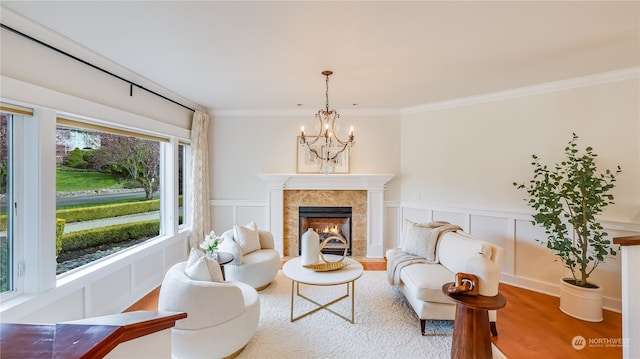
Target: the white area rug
(385, 325)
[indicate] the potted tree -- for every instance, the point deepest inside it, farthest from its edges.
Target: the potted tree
(566, 200)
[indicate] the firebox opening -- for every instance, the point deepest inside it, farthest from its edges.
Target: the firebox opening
(327, 221)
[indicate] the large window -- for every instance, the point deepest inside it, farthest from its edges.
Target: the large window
(107, 191)
(6, 215)
(116, 187)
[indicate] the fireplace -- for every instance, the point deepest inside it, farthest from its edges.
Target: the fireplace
(363, 192)
(327, 222)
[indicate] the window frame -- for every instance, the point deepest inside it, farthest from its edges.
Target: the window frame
(13, 275)
(35, 273)
(19, 164)
(186, 179)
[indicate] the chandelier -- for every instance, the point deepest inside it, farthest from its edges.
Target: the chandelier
(326, 148)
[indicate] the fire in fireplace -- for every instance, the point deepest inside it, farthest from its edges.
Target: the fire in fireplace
(327, 222)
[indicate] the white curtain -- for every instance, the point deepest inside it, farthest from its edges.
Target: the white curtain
(199, 186)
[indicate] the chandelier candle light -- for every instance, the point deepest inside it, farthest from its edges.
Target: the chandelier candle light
(326, 147)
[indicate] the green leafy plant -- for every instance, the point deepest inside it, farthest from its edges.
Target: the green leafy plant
(573, 193)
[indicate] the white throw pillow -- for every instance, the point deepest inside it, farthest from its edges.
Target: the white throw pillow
(247, 237)
(418, 241)
(229, 245)
(200, 267)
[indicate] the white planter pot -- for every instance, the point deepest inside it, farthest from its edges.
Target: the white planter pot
(581, 303)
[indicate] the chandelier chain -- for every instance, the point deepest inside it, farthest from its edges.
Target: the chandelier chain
(326, 93)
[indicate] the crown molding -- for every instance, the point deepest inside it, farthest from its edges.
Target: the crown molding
(555, 86)
(302, 113)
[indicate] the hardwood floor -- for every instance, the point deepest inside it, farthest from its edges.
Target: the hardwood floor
(530, 326)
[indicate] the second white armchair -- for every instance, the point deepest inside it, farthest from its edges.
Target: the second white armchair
(255, 262)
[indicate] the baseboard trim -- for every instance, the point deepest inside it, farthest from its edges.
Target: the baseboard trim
(608, 303)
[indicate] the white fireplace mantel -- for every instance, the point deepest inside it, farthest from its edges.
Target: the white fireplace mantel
(374, 184)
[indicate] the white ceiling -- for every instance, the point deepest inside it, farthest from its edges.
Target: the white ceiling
(263, 55)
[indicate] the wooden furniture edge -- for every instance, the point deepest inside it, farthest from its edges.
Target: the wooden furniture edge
(628, 240)
(118, 328)
(85, 338)
(478, 302)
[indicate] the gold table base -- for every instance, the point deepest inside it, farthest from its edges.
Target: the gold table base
(295, 291)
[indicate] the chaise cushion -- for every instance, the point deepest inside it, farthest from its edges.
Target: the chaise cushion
(424, 281)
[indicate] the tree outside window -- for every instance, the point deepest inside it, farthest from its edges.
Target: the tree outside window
(107, 194)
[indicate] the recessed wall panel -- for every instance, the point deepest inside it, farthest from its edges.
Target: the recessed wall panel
(418, 215)
(451, 217)
(104, 293)
(498, 231)
(149, 269)
(532, 259)
(177, 252)
(69, 307)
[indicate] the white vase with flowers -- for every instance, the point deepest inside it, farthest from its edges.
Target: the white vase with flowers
(210, 244)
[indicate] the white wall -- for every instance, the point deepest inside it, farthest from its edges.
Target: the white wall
(469, 156)
(459, 162)
(242, 146)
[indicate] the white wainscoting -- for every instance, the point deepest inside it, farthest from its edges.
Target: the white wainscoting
(226, 213)
(108, 287)
(527, 263)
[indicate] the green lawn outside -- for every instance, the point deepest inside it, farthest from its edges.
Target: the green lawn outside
(84, 181)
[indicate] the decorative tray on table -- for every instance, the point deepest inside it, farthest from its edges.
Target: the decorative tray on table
(326, 265)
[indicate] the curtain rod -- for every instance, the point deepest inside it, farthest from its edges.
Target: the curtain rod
(131, 83)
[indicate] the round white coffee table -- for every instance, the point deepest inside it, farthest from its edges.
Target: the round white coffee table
(298, 274)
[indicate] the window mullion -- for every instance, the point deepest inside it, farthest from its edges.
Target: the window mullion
(169, 187)
(38, 205)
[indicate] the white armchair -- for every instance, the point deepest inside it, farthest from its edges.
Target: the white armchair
(221, 316)
(255, 262)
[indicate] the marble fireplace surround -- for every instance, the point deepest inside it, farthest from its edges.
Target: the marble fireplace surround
(374, 184)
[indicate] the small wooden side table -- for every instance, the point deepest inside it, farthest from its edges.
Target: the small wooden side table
(224, 258)
(471, 329)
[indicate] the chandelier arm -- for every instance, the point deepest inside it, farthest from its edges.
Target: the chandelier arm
(344, 147)
(315, 152)
(310, 143)
(343, 143)
(326, 156)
